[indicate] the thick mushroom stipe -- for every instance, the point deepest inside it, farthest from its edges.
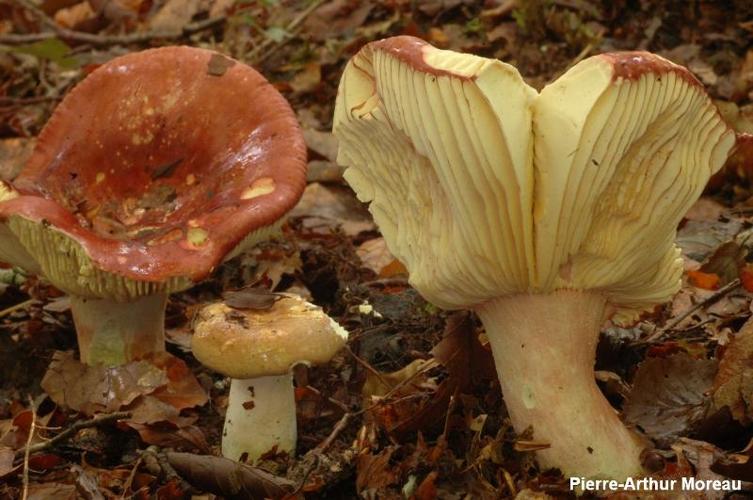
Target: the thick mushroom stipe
(557, 393)
(151, 171)
(494, 194)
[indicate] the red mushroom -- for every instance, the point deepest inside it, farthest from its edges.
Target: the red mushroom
(154, 169)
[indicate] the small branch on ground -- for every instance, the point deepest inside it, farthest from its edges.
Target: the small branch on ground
(27, 448)
(72, 430)
(658, 334)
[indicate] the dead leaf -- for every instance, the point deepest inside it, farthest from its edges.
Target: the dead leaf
(95, 389)
(49, 491)
(669, 395)
(229, 478)
(333, 207)
(374, 254)
(702, 456)
(321, 142)
(374, 472)
(707, 281)
(698, 239)
(74, 16)
(6, 462)
(255, 299)
(308, 79)
(726, 262)
(733, 384)
(336, 18)
(219, 64)
(13, 155)
(174, 15)
(182, 436)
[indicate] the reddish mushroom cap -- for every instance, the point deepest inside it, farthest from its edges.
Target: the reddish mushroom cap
(161, 162)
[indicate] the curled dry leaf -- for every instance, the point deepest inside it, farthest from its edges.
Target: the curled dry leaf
(94, 389)
(6, 461)
(91, 389)
(229, 478)
(669, 395)
(375, 255)
(733, 385)
(256, 299)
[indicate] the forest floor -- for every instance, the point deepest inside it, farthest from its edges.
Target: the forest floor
(412, 408)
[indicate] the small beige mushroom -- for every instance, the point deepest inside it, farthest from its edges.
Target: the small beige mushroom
(258, 349)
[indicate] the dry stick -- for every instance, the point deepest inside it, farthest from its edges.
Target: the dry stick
(77, 426)
(732, 285)
(341, 424)
(94, 39)
(366, 365)
(268, 46)
(27, 449)
(12, 309)
(129, 482)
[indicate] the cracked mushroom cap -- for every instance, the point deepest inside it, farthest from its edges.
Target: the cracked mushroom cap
(153, 169)
(484, 187)
(245, 344)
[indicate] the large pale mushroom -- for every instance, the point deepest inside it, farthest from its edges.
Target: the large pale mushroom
(151, 171)
(546, 213)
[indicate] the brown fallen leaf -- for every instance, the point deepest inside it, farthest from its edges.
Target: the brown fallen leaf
(669, 395)
(174, 14)
(56, 491)
(6, 462)
(733, 384)
(256, 299)
(333, 207)
(169, 435)
(229, 478)
(13, 154)
(374, 254)
(96, 389)
(374, 472)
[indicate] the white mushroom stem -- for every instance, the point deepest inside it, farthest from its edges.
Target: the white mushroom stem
(260, 415)
(544, 348)
(113, 333)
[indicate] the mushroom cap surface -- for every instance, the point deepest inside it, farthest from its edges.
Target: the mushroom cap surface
(484, 187)
(153, 169)
(255, 343)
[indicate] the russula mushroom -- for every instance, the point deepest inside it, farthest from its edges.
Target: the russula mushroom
(150, 172)
(544, 212)
(258, 349)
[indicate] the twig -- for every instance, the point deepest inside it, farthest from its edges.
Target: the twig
(57, 31)
(368, 367)
(15, 101)
(12, 309)
(77, 426)
(27, 449)
(131, 477)
(262, 51)
(341, 424)
(732, 285)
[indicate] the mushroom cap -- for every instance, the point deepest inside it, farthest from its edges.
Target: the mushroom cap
(484, 187)
(153, 169)
(256, 343)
